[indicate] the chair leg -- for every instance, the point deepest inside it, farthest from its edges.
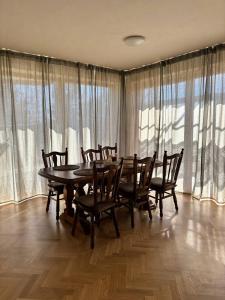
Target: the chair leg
(156, 198)
(149, 210)
(131, 206)
(161, 205)
(92, 232)
(75, 221)
(98, 219)
(85, 224)
(175, 199)
(57, 207)
(48, 202)
(89, 189)
(115, 222)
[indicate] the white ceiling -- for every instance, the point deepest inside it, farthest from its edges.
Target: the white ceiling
(91, 31)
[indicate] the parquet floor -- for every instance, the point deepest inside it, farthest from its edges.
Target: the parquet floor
(181, 257)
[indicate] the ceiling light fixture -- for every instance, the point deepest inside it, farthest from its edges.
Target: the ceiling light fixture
(134, 40)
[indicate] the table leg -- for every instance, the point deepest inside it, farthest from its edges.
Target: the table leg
(68, 214)
(68, 195)
(85, 224)
(80, 190)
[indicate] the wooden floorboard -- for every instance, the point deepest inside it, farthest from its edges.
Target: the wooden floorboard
(180, 257)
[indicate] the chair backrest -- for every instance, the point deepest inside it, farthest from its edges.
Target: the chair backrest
(108, 151)
(55, 158)
(171, 167)
(144, 168)
(91, 155)
(106, 181)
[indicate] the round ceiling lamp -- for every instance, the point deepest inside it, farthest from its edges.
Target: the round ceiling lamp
(134, 40)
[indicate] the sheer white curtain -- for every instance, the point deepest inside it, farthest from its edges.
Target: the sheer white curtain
(50, 104)
(181, 103)
(208, 111)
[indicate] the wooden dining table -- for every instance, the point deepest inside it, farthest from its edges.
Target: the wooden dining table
(75, 177)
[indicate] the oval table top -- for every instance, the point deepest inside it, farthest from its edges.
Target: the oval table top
(80, 172)
(71, 174)
(61, 175)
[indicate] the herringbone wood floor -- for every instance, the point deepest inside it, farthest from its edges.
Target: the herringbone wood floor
(181, 257)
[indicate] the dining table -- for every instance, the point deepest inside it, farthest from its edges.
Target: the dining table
(75, 177)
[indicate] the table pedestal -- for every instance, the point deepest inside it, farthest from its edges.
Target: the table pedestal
(68, 214)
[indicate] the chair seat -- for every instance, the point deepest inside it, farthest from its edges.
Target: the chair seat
(87, 201)
(157, 184)
(56, 186)
(128, 190)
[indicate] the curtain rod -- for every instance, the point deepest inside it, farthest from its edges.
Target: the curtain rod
(54, 59)
(174, 59)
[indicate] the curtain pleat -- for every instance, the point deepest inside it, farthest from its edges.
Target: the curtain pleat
(177, 104)
(49, 104)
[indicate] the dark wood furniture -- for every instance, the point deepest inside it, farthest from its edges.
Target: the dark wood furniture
(108, 152)
(165, 187)
(79, 178)
(105, 184)
(54, 159)
(135, 193)
(91, 155)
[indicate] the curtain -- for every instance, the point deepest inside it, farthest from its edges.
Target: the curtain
(51, 104)
(180, 103)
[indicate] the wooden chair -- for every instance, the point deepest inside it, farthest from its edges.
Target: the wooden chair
(165, 187)
(91, 155)
(54, 159)
(108, 151)
(105, 182)
(135, 193)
